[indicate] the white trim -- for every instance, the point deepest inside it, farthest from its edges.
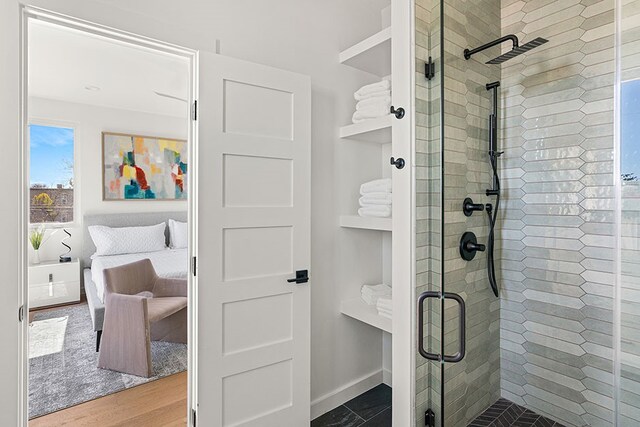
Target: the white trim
(387, 377)
(329, 401)
(30, 12)
(403, 235)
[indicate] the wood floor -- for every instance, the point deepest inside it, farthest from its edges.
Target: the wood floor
(158, 403)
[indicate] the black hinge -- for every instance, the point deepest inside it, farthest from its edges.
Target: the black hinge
(429, 69)
(21, 313)
(194, 264)
(429, 418)
(193, 417)
(195, 110)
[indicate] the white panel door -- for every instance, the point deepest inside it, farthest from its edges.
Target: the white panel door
(253, 231)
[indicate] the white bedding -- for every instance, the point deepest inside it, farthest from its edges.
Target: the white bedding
(171, 263)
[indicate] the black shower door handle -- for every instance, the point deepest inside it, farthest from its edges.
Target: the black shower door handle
(424, 353)
(463, 327)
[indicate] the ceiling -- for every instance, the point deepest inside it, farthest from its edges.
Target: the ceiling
(74, 66)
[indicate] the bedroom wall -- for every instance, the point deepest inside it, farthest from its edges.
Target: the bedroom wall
(304, 36)
(89, 122)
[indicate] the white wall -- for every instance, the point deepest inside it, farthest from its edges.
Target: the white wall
(304, 36)
(89, 122)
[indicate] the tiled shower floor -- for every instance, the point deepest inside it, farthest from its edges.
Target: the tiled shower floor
(505, 413)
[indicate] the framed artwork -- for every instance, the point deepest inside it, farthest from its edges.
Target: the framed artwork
(136, 167)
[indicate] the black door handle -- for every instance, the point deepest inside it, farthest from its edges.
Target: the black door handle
(462, 332)
(302, 276)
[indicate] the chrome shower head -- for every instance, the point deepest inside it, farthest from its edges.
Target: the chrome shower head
(516, 51)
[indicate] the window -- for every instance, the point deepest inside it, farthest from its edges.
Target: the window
(630, 132)
(51, 174)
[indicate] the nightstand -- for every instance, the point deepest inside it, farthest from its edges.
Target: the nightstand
(53, 283)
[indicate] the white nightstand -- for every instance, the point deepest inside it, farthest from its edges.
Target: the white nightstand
(52, 283)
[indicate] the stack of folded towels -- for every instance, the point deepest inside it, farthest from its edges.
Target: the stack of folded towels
(384, 305)
(376, 198)
(374, 101)
(371, 293)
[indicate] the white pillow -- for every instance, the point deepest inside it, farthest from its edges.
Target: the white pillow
(127, 240)
(178, 234)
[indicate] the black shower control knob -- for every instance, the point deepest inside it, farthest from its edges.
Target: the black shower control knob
(469, 246)
(468, 207)
(398, 163)
(399, 112)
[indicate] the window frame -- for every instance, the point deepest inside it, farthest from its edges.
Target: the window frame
(36, 121)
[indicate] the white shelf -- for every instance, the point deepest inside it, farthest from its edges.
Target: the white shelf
(359, 310)
(373, 130)
(365, 223)
(372, 54)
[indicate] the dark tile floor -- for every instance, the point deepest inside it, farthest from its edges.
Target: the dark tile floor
(371, 409)
(505, 413)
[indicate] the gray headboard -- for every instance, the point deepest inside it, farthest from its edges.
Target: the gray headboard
(122, 220)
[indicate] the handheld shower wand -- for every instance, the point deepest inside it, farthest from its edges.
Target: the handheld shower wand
(492, 210)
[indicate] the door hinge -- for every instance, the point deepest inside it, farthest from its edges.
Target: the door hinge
(21, 313)
(193, 417)
(429, 418)
(194, 112)
(194, 265)
(429, 69)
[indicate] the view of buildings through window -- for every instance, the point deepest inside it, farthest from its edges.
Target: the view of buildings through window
(630, 131)
(51, 174)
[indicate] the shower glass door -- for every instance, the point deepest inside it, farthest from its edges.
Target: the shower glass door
(562, 339)
(428, 174)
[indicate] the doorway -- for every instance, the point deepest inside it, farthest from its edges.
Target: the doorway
(80, 91)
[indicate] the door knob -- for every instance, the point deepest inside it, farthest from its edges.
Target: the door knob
(399, 162)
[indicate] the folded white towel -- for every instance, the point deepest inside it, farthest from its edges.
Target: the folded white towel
(374, 101)
(385, 314)
(376, 186)
(375, 199)
(377, 211)
(381, 289)
(384, 302)
(383, 310)
(367, 90)
(369, 299)
(370, 113)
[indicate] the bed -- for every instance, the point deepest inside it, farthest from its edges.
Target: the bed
(171, 263)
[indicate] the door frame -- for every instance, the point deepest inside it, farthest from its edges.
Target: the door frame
(27, 13)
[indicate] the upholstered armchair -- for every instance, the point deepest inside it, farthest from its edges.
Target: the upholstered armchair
(140, 307)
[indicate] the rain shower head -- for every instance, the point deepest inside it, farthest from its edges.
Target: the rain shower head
(515, 51)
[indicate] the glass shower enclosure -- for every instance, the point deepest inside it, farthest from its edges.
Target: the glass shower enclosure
(527, 211)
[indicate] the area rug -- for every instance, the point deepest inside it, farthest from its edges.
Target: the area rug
(63, 362)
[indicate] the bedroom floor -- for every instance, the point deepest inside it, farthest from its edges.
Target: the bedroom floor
(62, 364)
(158, 403)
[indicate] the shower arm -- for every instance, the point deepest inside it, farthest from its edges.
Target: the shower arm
(469, 53)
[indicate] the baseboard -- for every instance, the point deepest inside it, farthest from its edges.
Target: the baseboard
(386, 377)
(345, 393)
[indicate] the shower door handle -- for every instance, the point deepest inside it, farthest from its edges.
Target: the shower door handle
(424, 353)
(463, 327)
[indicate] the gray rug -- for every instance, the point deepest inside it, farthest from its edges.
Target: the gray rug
(63, 359)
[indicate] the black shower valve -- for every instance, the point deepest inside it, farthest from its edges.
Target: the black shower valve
(468, 207)
(469, 246)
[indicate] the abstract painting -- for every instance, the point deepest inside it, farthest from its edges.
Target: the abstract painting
(136, 167)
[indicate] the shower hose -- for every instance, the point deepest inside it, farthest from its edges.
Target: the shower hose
(492, 213)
